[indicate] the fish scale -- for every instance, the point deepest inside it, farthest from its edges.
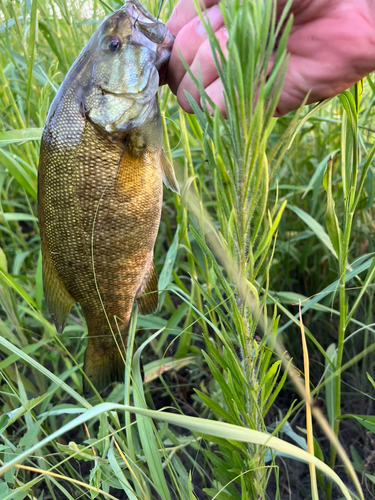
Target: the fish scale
(100, 179)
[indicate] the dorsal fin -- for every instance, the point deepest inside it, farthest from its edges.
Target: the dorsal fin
(169, 178)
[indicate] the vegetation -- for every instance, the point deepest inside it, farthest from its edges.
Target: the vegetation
(258, 368)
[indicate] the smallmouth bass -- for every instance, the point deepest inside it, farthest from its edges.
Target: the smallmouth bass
(100, 178)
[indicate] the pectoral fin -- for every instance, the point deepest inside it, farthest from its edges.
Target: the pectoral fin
(58, 299)
(147, 298)
(169, 178)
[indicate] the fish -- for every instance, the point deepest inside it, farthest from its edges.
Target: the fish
(100, 186)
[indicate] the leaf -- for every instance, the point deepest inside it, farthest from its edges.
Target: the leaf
(199, 425)
(146, 430)
(28, 359)
(8, 24)
(33, 28)
(330, 387)
(301, 441)
(293, 298)
(12, 358)
(52, 42)
(4, 421)
(3, 261)
(155, 368)
(356, 460)
(219, 494)
(120, 475)
(166, 273)
(357, 269)
(11, 216)
(78, 451)
(39, 283)
(315, 227)
(3, 488)
(10, 454)
(30, 436)
(305, 118)
(20, 135)
(152, 322)
(19, 412)
(95, 479)
(368, 421)
(372, 381)
(349, 142)
(333, 229)
(319, 171)
(63, 409)
(216, 407)
(287, 429)
(21, 172)
(9, 281)
(184, 481)
(267, 240)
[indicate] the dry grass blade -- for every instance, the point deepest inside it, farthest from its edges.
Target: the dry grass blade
(61, 478)
(309, 426)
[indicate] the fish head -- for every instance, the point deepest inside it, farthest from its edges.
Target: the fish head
(121, 76)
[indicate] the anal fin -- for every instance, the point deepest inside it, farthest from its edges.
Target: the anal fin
(58, 299)
(147, 298)
(169, 178)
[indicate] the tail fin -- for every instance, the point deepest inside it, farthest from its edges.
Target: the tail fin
(102, 367)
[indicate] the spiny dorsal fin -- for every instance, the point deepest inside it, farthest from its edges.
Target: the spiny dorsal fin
(58, 299)
(169, 178)
(147, 298)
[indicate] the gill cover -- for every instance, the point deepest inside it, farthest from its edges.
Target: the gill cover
(126, 52)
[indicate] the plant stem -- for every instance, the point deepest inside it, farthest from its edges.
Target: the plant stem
(341, 337)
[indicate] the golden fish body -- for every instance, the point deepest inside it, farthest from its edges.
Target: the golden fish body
(100, 180)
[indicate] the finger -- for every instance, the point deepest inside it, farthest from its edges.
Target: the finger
(187, 43)
(319, 78)
(203, 68)
(298, 84)
(216, 93)
(328, 55)
(294, 89)
(303, 76)
(184, 12)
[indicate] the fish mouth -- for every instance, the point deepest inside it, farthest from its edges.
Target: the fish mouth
(148, 25)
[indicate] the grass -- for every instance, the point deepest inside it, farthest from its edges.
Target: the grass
(266, 269)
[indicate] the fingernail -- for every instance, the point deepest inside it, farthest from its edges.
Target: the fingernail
(214, 17)
(225, 32)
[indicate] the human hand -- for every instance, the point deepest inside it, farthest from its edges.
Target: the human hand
(192, 42)
(331, 46)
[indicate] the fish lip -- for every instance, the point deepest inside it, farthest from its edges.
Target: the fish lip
(140, 7)
(147, 24)
(152, 29)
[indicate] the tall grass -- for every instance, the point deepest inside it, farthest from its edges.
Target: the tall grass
(272, 212)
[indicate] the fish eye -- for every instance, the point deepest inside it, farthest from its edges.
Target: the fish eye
(111, 45)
